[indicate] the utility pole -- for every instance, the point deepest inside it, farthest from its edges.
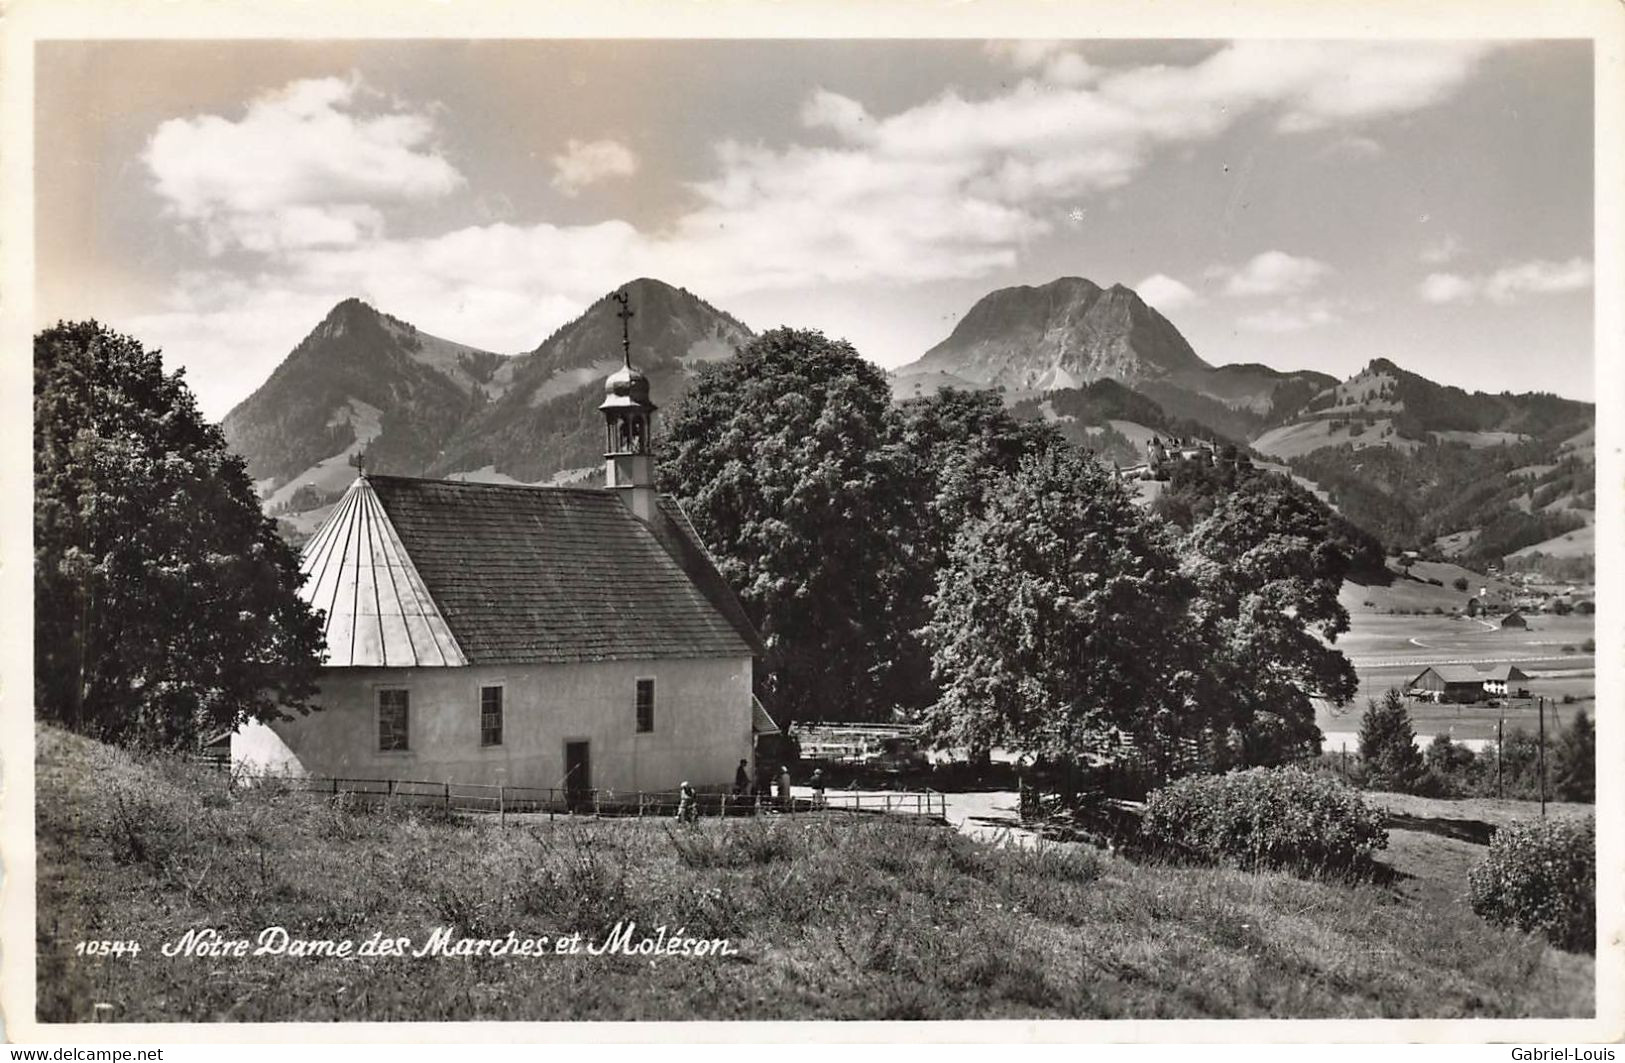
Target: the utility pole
(1542, 758)
(1499, 724)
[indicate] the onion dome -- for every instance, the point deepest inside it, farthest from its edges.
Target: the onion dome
(627, 387)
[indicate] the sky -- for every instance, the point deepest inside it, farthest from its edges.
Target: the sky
(1304, 204)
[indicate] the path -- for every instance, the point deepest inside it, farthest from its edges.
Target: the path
(989, 815)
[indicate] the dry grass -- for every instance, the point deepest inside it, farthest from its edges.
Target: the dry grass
(831, 918)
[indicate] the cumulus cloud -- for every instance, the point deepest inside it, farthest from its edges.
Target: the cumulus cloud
(310, 165)
(1447, 288)
(1165, 293)
(1053, 61)
(1508, 284)
(1291, 318)
(1272, 273)
(587, 162)
(1538, 277)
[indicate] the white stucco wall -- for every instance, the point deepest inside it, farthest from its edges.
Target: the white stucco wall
(702, 725)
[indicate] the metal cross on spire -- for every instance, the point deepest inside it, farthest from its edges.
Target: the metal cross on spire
(625, 314)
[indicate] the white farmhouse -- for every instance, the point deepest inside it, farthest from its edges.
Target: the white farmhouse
(569, 638)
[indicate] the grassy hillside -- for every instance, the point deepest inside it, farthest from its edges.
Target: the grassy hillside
(831, 918)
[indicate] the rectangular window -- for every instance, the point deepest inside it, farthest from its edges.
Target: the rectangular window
(393, 711)
(490, 716)
(646, 705)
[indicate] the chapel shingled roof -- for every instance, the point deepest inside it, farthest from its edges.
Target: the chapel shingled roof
(553, 574)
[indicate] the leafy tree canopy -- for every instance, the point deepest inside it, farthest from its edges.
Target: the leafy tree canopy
(1267, 572)
(165, 604)
(787, 462)
(1051, 620)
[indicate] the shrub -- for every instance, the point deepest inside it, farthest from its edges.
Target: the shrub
(1460, 583)
(1266, 817)
(1541, 875)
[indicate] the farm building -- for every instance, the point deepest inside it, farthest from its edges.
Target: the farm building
(1464, 684)
(565, 638)
(1514, 619)
(1507, 679)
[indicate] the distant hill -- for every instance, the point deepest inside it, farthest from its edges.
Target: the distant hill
(1072, 332)
(420, 405)
(1384, 405)
(1112, 419)
(548, 422)
(1465, 475)
(361, 379)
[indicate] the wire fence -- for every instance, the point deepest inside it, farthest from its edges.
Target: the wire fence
(529, 802)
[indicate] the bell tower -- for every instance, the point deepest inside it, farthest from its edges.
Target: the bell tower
(628, 420)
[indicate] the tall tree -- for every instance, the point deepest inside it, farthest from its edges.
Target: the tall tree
(1388, 745)
(785, 458)
(1052, 617)
(165, 604)
(1268, 570)
(961, 443)
(1574, 774)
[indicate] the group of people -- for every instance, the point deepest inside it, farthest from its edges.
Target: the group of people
(766, 784)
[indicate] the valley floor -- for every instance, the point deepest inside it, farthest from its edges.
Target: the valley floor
(831, 917)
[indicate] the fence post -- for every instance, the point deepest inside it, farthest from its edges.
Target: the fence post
(595, 803)
(448, 795)
(502, 806)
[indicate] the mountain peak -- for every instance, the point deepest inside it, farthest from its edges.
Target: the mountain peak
(1061, 334)
(353, 305)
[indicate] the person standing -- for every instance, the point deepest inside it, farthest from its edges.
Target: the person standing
(742, 779)
(817, 781)
(784, 787)
(688, 810)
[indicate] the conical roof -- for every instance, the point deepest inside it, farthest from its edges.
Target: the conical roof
(379, 612)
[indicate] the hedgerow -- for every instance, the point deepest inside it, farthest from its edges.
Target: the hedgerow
(1541, 875)
(1265, 818)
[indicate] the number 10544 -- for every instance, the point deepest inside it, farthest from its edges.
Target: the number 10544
(107, 948)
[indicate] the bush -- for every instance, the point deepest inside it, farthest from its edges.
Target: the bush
(1460, 583)
(1266, 817)
(1541, 875)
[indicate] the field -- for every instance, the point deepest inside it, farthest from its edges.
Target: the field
(1388, 650)
(828, 917)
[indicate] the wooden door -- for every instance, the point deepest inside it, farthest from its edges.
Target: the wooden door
(577, 773)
